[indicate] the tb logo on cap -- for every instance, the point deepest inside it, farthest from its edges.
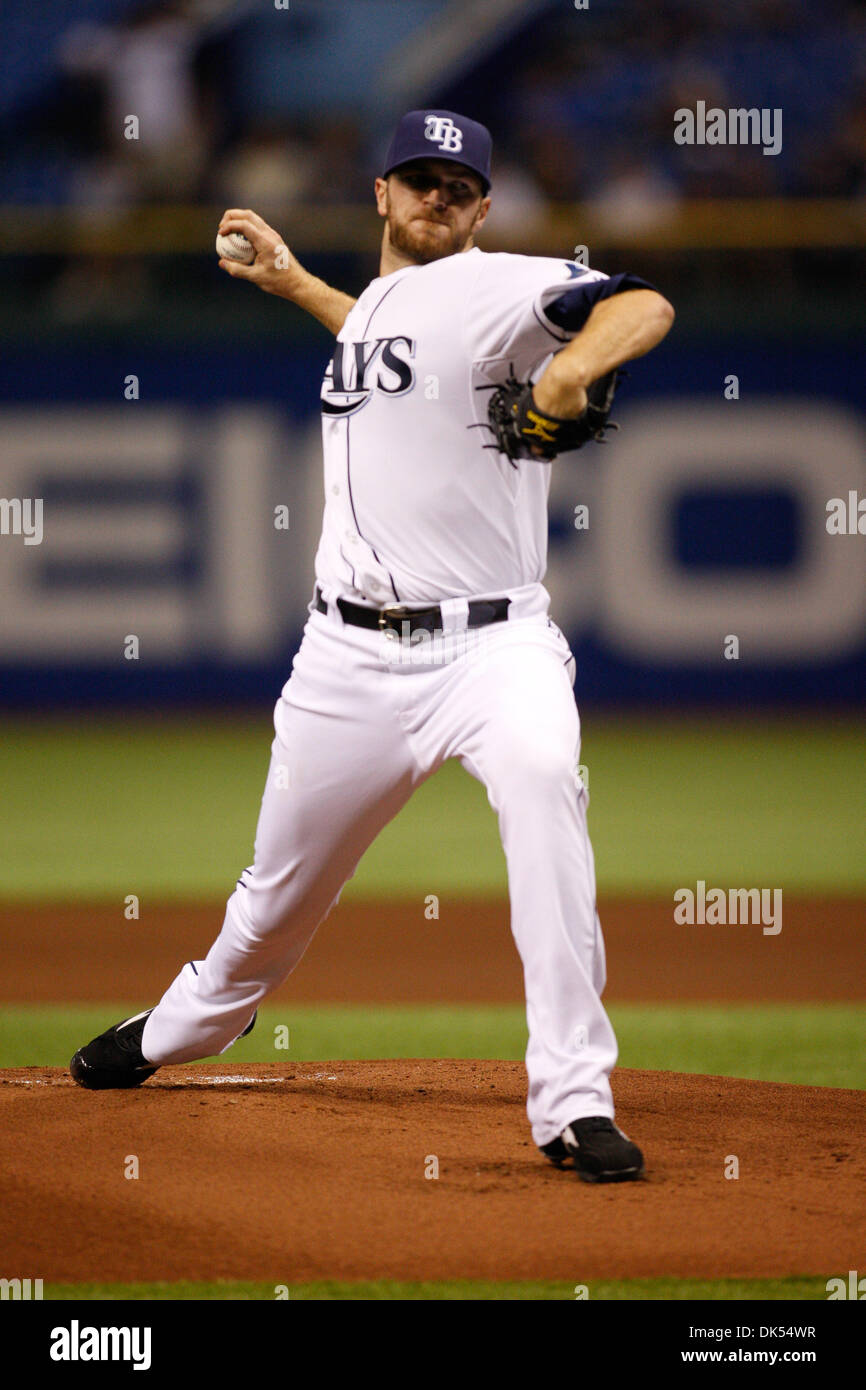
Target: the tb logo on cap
(444, 133)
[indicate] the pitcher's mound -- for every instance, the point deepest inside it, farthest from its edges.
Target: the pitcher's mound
(419, 1170)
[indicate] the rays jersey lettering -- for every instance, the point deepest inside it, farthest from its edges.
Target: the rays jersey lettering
(357, 369)
(418, 507)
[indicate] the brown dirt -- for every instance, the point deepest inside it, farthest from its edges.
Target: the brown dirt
(373, 952)
(317, 1171)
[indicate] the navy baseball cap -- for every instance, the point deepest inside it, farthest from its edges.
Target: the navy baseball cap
(441, 135)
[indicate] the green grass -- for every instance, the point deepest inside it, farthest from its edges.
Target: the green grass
(168, 808)
(814, 1044)
(463, 1289)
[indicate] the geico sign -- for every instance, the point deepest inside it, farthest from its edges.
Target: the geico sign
(625, 578)
(155, 523)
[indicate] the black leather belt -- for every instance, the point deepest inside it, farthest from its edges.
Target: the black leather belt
(481, 612)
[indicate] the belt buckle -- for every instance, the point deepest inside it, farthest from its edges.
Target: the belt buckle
(388, 615)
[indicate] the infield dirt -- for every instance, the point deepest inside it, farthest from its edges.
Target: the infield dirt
(319, 1170)
(293, 1173)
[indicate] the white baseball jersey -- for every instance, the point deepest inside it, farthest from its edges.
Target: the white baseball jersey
(416, 508)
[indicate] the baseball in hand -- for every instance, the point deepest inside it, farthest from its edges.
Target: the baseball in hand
(235, 247)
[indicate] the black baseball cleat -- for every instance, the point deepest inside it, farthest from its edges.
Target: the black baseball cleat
(115, 1061)
(601, 1152)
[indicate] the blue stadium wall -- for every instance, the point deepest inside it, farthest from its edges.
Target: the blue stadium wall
(705, 519)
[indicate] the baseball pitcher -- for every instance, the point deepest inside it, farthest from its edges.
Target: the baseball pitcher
(456, 378)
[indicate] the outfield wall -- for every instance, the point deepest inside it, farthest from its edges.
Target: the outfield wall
(175, 497)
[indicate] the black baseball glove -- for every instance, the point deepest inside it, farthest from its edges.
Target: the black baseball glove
(523, 431)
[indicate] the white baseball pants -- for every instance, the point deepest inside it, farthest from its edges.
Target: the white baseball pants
(362, 721)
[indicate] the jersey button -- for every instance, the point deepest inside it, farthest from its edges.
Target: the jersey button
(335, 489)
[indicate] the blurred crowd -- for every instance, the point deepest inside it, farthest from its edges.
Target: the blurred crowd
(587, 111)
(579, 110)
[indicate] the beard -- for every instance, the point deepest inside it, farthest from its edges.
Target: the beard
(423, 241)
